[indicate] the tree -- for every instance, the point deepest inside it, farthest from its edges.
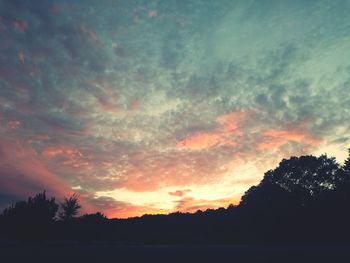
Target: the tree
(31, 219)
(96, 217)
(307, 175)
(38, 209)
(298, 198)
(346, 166)
(299, 179)
(69, 208)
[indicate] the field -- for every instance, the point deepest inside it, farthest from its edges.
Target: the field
(110, 252)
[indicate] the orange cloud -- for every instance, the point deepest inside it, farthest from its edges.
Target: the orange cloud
(149, 171)
(179, 192)
(225, 134)
(230, 122)
(275, 138)
(61, 151)
(72, 157)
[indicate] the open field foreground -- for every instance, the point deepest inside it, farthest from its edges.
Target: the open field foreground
(110, 252)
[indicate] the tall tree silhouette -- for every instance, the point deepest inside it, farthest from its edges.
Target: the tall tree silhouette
(304, 177)
(69, 208)
(31, 219)
(39, 209)
(292, 198)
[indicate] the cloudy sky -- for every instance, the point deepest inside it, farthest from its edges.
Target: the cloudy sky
(157, 106)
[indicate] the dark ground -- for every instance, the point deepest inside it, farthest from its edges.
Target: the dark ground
(110, 252)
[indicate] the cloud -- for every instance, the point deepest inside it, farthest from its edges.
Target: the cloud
(60, 151)
(148, 96)
(180, 192)
(226, 134)
(276, 138)
(191, 205)
(116, 209)
(23, 174)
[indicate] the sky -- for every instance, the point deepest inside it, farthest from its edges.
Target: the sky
(161, 106)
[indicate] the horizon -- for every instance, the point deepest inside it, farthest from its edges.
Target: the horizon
(160, 213)
(147, 107)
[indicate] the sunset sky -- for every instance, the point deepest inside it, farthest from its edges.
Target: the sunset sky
(162, 105)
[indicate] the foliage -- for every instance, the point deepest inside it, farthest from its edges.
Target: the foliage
(37, 209)
(304, 178)
(69, 208)
(98, 216)
(346, 167)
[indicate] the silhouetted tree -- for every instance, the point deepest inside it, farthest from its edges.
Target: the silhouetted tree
(32, 219)
(69, 208)
(96, 217)
(305, 177)
(303, 199)
(346, 166)
(291, 199)
(37, 209)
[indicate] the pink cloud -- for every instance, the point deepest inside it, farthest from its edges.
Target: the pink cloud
(230, 122)
(63, 151)
(180, 192)
(23, 172)
(275, 138)
(225, 134)
(68, 156)
(149, 171)
(181, 174)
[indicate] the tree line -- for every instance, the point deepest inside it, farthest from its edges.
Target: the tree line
(304, 199)
(42, 209)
